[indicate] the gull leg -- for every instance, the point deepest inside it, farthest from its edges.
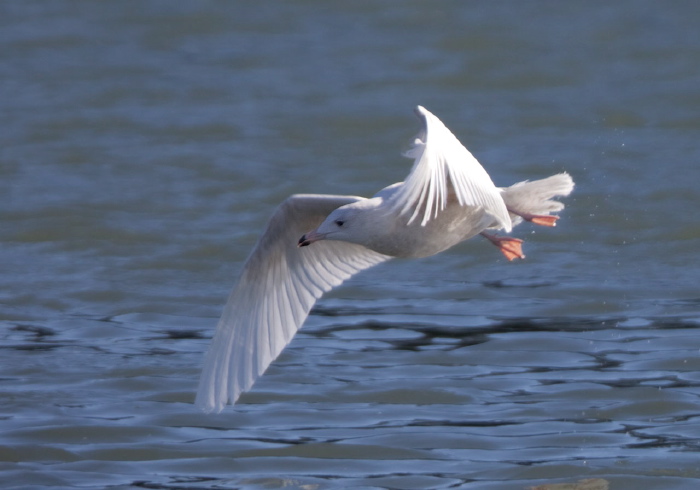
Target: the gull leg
(511, 247)
(538, 219)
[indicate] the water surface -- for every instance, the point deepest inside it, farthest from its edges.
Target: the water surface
(144, 145)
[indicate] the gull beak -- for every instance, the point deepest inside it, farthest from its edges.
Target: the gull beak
(309, 238)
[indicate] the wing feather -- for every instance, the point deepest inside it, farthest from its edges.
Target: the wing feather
(278, 286)
(441, 162)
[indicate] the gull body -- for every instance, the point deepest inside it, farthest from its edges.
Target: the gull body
(374, 224)
(315, 242)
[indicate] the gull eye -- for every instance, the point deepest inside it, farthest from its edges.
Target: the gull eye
(339, 222)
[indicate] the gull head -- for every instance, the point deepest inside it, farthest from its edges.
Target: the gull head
(346, 223)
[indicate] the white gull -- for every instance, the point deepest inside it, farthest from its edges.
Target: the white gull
(447, 198)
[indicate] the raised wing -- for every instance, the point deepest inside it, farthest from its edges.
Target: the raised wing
(279, 284)
(443, 167)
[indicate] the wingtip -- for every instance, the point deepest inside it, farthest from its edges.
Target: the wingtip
(428, 118)
(420, 111)
(208, 405)
(425, 117)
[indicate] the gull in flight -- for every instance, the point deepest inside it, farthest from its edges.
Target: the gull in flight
(314, 242)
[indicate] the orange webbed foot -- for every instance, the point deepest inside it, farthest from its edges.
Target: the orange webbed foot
(510, 247)
(538, 219)
(543, 220)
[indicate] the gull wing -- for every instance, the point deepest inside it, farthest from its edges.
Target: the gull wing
(279, 284)
(444, 168)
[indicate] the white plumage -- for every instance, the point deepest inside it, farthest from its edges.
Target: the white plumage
(440, 161)
(448, 197)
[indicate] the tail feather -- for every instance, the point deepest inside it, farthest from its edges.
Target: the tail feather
(536, 197)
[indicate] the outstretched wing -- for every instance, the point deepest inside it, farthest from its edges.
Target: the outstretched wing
(279, 284)
(444, 167)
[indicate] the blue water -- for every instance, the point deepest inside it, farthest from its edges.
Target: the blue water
(145, 144)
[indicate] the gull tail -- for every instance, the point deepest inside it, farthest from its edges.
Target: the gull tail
(536, 198)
